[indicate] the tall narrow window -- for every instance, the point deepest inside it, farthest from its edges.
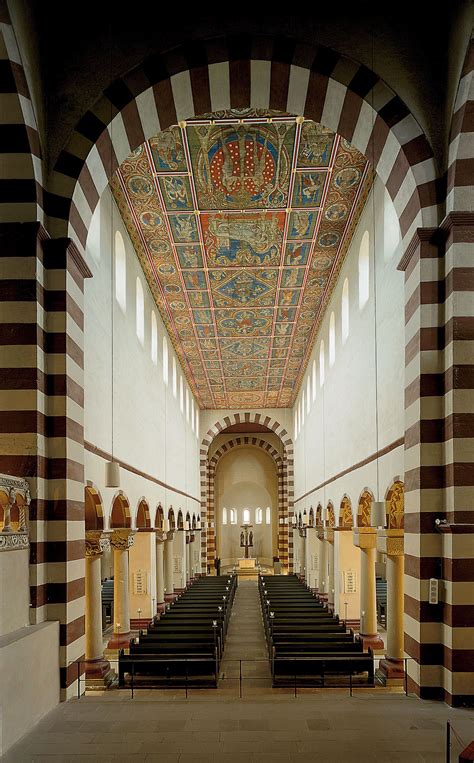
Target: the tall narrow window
(268, 515)
(332, 339)
(192, 414)
(296, 424)
(140, 312)
(154, 338)
(246, 516)
(308, 394)
(321, 363)
(197, 421)
(120, 272)
(345, 311)
(258, 516)
(364, 272)
(314, 380)
(224, 516)
(175, 378)
(302, 408)
(187, 404)
(181, 394)
(165, 360)
(233, 517)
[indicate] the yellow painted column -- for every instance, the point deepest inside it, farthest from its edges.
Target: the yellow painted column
(366, 539)
(391, 542)
(121, 541)
(160, 571)
(169, 566)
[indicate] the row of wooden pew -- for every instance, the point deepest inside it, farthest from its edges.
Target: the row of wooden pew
(308, 646)
(184, 645)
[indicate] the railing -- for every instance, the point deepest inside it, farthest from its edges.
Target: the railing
(242, 675)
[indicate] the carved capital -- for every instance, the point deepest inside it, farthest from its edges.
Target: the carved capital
(96, 543)
(329, 534)
(365, 537)
(160, 536)
(122, 539)
(390, 542)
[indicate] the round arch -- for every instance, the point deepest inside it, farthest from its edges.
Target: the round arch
(143, 515)
(395, 505)
(159, 517)
(146, 100)
(346, 519)
(364, 508)
(93, 508)
(330, 515)
(120, 512)
(285, 480)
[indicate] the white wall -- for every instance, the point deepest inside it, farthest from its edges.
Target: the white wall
(340, 429)
(151, 433)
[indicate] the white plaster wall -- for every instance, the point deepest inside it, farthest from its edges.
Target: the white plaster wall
(150, 433)
(14, 590)
(246, 478)
(29, 685)
(342, 416)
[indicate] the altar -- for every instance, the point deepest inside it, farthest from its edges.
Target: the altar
(247, 564)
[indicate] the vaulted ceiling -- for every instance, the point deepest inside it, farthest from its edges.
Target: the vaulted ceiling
(241, 221)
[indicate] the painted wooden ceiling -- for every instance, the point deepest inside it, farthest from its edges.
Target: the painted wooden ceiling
(241, 221)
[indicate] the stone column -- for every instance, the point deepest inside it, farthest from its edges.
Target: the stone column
(160, 571)
(322, 571)
(329, 543)
(169, 566)
(121, 541)
(179, 549)
(188, 558)
(97, 668)
(390, 542)
(365, 538)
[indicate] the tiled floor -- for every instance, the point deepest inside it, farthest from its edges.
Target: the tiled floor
(211, 726)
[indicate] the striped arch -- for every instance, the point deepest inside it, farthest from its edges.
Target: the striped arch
(285, 488)
(21, 167)
(318, 83)
(281, 465)
(460, 189)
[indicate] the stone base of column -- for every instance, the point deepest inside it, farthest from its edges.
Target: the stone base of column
(373, 640)
(392, 672)
(138, 624)
(161, 607)
(99, 675)
(119, 640)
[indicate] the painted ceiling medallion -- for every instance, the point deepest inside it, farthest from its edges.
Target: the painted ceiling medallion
(241, 221)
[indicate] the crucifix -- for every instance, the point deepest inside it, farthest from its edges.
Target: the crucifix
(246, 538)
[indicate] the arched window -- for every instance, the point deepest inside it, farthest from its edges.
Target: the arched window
(140, 312)
(224, 516)
(187, 404)
(364, 272)
(233, 517)
(246, 516)
(321, 363)
(258, 516)
(181, 394)
(165, 360)
(174, 377)
(120, 272)
(308, 394)
(391, 227)
(314, 380)
(345, 311)
(332, 339)
(296, 424)
(154, 338)
(302, 408)
(192, 414)
(197, 421)
(268, 515)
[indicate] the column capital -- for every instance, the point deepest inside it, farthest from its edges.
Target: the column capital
(390, 542)
(96, 543)
(122, 538)
(329, 534)
(365, 537)
(160, 535)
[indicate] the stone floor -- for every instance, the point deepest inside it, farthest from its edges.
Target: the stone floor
(211, 726)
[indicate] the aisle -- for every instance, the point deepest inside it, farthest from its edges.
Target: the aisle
(246, 640)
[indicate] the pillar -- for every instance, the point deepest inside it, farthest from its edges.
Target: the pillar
(121, 541)
(312, 560)
(97, 668)
(179, 549)
(365, 538)
(168, 553)
(391, 542)
(160, 571)
(188, 558)
(329, 543)
(322, 571)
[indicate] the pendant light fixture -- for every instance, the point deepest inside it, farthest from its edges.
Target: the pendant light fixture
(112, 468)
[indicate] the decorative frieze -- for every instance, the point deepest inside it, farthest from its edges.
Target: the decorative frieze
(14, 494)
